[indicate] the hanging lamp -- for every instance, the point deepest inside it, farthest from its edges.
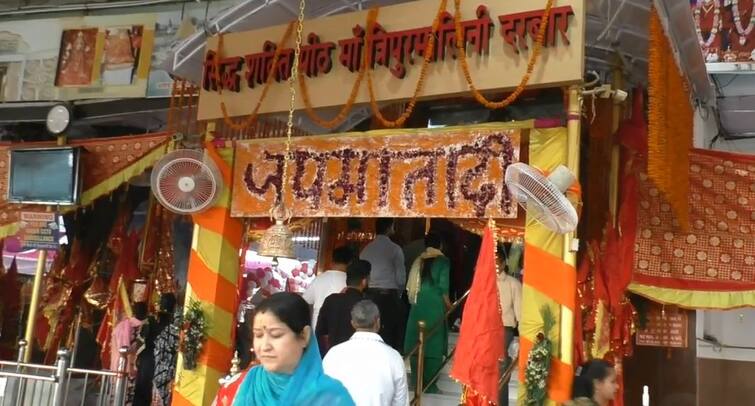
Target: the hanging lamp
(277, 241)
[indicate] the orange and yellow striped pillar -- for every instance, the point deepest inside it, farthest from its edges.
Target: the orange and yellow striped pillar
(550, 264)
(212, 280)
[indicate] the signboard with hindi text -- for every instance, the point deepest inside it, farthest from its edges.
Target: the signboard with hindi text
(664, 328)
(449, 172)
(39, 230)
(496, 35)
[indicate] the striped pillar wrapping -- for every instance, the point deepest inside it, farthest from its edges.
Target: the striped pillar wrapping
(212, 279)
(548, 279)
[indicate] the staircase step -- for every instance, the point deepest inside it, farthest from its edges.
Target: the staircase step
(450, 390)
(435, 399)
(443, 399)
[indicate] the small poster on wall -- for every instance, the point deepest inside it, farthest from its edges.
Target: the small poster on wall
(666, 327)
(121, 55)
(39, 231)
(76, 59)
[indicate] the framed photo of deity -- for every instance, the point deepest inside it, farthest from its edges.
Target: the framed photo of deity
(76, 57)
(105, 56)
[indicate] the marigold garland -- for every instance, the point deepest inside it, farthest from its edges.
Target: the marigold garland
(536, 48)
(428, 53)
(364, 69)
(252, 118)
(344, 113)
(670, 118)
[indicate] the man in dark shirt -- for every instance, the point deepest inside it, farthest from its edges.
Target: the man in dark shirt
(334, 322)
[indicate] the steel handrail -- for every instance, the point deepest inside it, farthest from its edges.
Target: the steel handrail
(506, 376)
(27, 365)
(106, 373)
(60, 375)
(51, 378)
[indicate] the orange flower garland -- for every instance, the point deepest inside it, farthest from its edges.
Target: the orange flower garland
(420, 83)
(530, 65)
(364, 69)
(343, 114)
(670, 118)
(252, 118)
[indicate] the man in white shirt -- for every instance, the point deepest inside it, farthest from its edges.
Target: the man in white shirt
(387, 282)
(372, 372)
(331, 281)
(510, 297)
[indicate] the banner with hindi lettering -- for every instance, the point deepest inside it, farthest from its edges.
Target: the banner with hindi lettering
(455, 172)
(498, 36)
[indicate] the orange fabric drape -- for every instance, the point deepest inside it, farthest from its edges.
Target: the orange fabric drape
(481, 337)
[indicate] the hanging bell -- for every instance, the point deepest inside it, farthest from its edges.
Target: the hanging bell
(277, 241)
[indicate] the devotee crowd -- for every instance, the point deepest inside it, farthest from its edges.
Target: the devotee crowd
(343, 341)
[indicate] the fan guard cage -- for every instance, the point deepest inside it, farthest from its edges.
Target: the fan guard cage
(185, 181)
(541, 198)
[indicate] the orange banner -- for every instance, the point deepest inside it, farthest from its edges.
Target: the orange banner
(450, 172)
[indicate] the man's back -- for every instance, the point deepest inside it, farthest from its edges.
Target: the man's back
(324, 285)
(387, 260)
(335, 317)
(372, 372)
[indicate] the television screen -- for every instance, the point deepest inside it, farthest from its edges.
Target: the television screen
(44, 176)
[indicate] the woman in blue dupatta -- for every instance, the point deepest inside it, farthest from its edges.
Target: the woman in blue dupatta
(290, 371)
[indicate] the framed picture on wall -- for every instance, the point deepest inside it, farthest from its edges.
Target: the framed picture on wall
(76, 57)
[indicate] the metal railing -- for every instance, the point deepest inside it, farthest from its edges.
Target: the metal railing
(26, 384)
(419, 350)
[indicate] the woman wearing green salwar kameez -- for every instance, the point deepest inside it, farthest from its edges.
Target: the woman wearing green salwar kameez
(427, 286)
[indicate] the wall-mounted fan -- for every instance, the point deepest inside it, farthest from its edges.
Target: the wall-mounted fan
(186, 181)
(543, 197)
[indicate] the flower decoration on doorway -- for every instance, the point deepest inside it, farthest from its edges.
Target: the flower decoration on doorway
(277, 242)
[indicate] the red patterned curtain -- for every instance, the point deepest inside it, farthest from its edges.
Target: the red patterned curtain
(106, 164)
(712, 265)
